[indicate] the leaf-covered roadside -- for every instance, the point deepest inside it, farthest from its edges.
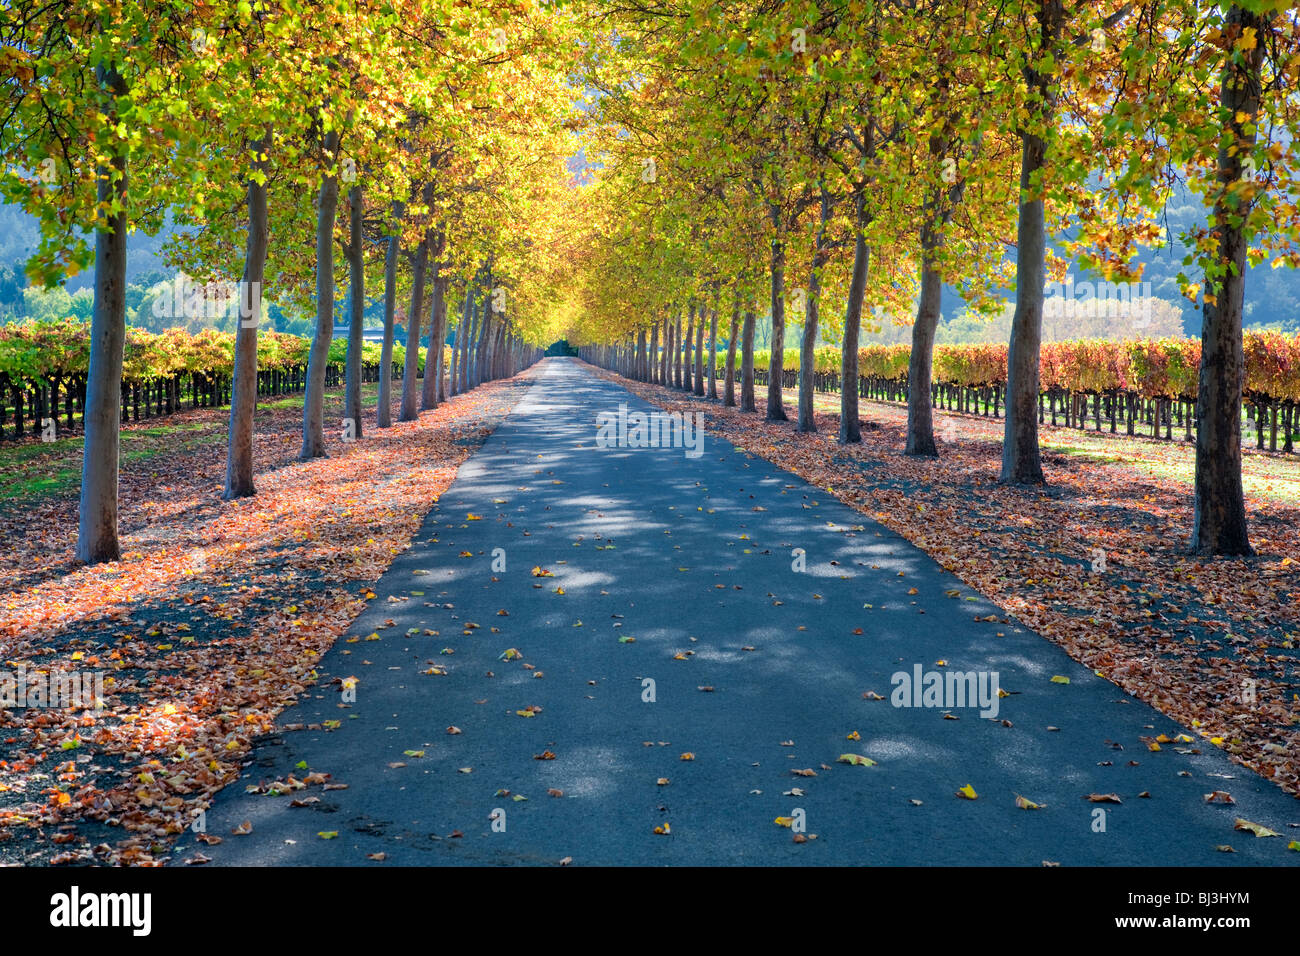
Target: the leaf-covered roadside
(210, 625)
(1213, 643)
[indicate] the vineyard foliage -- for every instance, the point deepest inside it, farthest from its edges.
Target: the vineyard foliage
(61, 350)
(1152, 368)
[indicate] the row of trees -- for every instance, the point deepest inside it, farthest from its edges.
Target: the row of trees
(417, 145)
(779, 158)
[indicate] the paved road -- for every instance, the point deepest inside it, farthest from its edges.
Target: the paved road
(682, 571)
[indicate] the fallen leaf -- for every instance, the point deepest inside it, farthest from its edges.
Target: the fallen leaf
(856, 760)
(1258, 829)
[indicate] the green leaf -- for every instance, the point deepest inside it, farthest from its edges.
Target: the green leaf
(856, 760)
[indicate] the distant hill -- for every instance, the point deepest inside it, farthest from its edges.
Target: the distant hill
(19, 237)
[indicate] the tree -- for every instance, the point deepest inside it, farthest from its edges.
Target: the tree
(1045, 41)
(1217, 111)
(313, 405)
(68, 147)
(243, 398)
(392, 255)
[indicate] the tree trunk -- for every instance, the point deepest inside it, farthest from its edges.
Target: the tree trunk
(482, 316)
(490, 354)
(1219, 519)
(441, 358)
(850, 427)
(498, 345)
(688, 369)
(313, 404)
(808, 346)
(747, 364)
(729, 386)
(384, 414)
(677, 353)
(667, 351)
(776, 361)
(920, 413)
(455, 358)
(652, 365)
(357, 307)
(101, 416)
(243, 385)
(1021, 464)
(462, 329)
(470, 329)
(669, 345)
(712, 375)
(699, 353)
(480, 346)
(432, 358)
(411, 368)
(938, 212)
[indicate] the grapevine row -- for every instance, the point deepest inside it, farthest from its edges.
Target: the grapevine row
(43, 368)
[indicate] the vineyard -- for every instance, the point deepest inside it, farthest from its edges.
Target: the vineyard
(43, 368)
(1113, 385)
